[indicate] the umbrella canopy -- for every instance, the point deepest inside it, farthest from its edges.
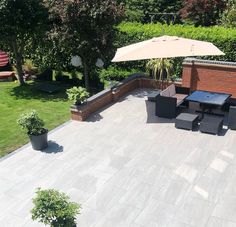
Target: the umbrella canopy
(165, 47)
(3, 58)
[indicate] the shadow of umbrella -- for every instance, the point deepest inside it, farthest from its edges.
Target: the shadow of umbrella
(53, 148)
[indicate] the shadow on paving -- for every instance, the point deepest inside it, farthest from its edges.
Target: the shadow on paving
(53, 148)
(95, 117)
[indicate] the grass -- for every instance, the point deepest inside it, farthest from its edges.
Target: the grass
(15, 99)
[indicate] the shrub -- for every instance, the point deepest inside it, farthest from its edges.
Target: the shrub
(202, 12)
(32, 123)
(229, 16)
(112, 74)
(29, 67)
(53, 208)
(77, 94)
(161, 68)
(224, 39)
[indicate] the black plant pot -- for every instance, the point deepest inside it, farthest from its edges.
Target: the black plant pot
(39, 142)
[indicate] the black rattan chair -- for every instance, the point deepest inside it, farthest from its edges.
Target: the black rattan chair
(232, 118)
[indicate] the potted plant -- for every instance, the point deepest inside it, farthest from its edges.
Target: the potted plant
(53, 208)
(78, 95)
(34, 126)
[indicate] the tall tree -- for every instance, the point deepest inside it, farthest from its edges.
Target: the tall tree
(86, 28)
(202, 12)
(21, 22)
(151, 10)
(229, 15)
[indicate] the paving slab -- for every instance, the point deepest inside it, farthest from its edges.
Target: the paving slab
(127, 168)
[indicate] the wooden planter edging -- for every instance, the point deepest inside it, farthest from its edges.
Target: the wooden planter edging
(112, 94)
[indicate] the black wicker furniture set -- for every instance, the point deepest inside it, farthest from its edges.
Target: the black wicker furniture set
(169, 100)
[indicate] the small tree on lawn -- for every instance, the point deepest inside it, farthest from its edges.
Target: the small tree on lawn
(87, 28)
(21, 22)
(202, 12)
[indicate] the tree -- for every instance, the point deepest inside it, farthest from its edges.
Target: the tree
(152, 10)
(86, 28)
(202, 12)
(229, 16)
(21, 22)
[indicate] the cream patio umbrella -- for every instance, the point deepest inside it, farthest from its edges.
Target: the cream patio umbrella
(165, 47)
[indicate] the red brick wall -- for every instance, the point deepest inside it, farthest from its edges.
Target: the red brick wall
(125, 88)
(81, 113)
(210, 77)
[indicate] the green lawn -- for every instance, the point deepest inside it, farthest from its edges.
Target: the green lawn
(14, 100)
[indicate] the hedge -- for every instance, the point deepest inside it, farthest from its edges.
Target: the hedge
(223, 38)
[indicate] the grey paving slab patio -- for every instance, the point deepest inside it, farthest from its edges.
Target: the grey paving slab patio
(127, 168)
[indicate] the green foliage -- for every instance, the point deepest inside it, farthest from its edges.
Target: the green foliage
(161, 68)
(78, 95)
(152, 10)
(229, 16)
(21, 23)
(85, 28)
(202, 12)
(29, 67)
(32, 123)
(112, 75)
(53, 208)
(224, 39)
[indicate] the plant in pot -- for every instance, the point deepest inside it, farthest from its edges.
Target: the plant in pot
(78, 95)
(35, 130)
(53, 208)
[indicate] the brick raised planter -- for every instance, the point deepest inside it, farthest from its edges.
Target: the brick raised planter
(112, 94)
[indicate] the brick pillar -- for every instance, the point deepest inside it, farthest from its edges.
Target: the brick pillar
(187, 76)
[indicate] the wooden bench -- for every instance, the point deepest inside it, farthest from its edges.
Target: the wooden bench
(7, 76)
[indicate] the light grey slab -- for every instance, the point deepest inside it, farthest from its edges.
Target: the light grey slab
(156, 214)
(226, 208)
(127, 167)
(195, 211)
(119, 215)
(217, 222)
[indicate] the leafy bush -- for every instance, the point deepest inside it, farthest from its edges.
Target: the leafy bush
(29, 67)
(202, 12)
(161, 68)
(112, 74)
(77, 94)
(229, 16)
(32, 123)
(54, 208)
(224, 39)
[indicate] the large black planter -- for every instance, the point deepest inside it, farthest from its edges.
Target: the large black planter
(39, 142)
